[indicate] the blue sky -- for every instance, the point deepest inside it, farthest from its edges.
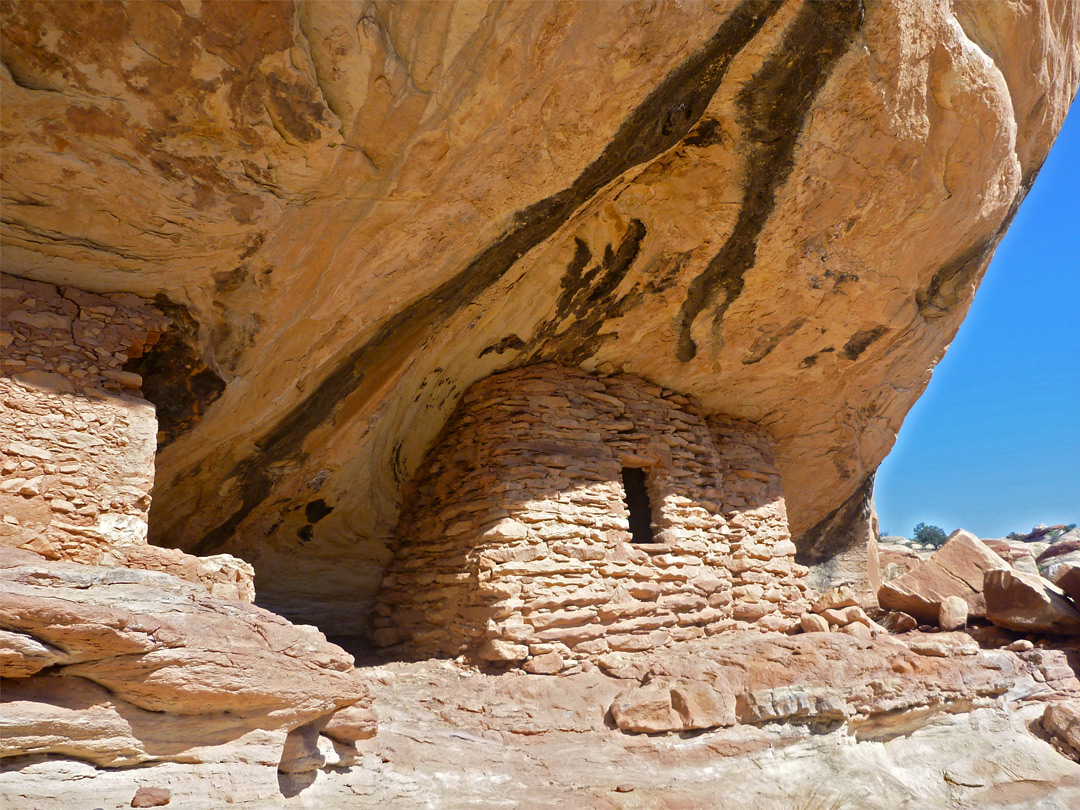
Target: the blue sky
(993, 446)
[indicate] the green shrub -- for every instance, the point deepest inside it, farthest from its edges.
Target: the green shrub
(933, 536)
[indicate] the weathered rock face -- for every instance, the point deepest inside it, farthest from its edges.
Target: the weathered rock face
(814, 721)
(782, 209)
(118, 667)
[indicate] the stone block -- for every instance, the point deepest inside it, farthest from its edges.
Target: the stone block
(953, 613)
(1028, 603)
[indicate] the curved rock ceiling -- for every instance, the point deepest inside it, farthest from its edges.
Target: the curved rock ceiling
(353, 211)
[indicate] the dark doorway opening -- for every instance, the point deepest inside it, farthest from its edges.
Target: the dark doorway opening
(637, 501)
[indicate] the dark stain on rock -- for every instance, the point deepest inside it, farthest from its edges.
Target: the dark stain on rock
(765, 344)
(176, 377)
(294, 108)
(306, 533)
(708, 133)
(588, 297)
(839, 530)
(811, 359)
(316, 510)
(665, 116)
(949, 285)
(508, 343)
(772, 111)
(950, 282)
(861, 341)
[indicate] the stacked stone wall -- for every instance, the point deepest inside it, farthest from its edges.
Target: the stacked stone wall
(514, 545)
(77, 441)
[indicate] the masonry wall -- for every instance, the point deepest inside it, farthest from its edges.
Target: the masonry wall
(77, 441)
(514, 545)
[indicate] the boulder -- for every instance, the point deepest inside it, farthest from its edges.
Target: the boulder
(896, 621)
(1066, 575)
(700, 705)
(1029, 604)
(352, 724)
(953, 614)
(1068, 543)
(145, 666)
(301, 751)
(835, 598)
(896, 559)
(1054, 566)
(999, 547)
(943, 645)
(859, 630)
(956, 569)
(645, 709)
(812, 623)
(549, 663)
(1062, 720)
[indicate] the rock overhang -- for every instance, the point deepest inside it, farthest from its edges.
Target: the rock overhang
(830, 225)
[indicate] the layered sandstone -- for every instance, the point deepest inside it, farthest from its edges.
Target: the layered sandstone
(354, 211)
(811, 721)
(118, 667)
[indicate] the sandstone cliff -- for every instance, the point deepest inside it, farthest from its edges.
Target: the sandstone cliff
(353, 211)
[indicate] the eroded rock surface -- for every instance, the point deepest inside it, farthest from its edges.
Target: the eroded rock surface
(856, 724)
(119, 667)
(780, 208)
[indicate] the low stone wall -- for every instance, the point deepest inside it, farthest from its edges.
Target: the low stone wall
(77, 441)
(515, 543)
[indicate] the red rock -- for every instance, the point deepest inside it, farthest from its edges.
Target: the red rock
(1028, 603)
(896, 621)
(812, 623)
(956, 569)
(1061, 547)
(701, 706)
(840, 597)
(645, 709)
(953, 614)
(161, 645)
(1067, 577)
(351, 724)
(151, 797)
(1063, 721)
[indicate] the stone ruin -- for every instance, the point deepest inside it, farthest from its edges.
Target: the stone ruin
(77, 439)
(564, 515)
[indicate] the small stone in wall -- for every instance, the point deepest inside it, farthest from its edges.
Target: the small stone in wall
(839, 597)
(812, 623)
(550, 663)
(498, 650)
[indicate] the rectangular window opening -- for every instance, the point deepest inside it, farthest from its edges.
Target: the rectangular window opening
(637, 501)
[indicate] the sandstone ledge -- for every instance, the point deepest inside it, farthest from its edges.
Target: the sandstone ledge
(120, 666)
(871, 737)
